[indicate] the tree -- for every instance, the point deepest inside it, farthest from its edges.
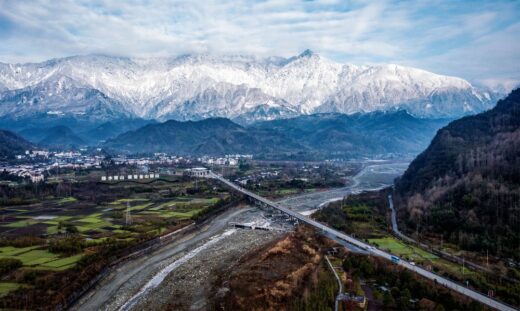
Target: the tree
(9, 264)
(404, 300)
(439, 307)
(388, 300)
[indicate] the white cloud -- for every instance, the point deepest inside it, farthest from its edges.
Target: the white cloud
(437, 35)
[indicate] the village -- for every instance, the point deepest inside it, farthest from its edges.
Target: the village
(37, 165)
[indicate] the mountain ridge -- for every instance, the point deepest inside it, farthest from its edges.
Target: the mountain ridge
(309, 136)
(12, 144)
(193, 87)
(466, 184)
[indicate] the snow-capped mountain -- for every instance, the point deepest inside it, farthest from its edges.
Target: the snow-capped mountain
(243, 88)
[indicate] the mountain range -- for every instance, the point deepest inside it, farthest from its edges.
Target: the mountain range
(98, 89)
(304, 137)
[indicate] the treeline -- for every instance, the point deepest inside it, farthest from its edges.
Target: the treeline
(402, 286)
(367, 207)
(322, 296)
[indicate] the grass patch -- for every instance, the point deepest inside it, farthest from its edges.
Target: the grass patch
(21, 224)
(401, 249)
(180, 215)
(67, 200)
(52, 229)
(139, 207)
(6, 287)
(31, 257)
(14, 251)
(62, 262)
(39, 259)
(126, 200)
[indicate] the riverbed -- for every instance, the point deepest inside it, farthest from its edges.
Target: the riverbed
(179, 274)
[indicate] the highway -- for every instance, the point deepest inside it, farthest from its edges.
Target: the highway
(372, 250)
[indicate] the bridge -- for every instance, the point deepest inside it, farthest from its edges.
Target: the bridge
(369, 249)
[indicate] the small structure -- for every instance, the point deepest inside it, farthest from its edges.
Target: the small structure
(36, 178)
(198, 172)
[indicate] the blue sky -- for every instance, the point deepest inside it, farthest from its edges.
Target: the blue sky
(476, 40)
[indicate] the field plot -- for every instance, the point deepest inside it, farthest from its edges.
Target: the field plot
(410, 252)
(34, 257)
(401, 249)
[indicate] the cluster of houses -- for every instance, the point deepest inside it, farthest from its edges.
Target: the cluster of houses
(26, 171)
(130, 177)
(158, 158)
(228, 160)
(257, 177)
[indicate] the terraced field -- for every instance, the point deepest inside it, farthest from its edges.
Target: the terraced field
(38, 258)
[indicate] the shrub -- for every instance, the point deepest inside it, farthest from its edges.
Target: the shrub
(9, 264)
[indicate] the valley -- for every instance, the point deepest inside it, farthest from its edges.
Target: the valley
(264, 155)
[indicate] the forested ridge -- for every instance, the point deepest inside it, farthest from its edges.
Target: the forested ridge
(466, 185)
(12, 144)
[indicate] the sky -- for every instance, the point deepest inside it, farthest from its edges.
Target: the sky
(475, 40)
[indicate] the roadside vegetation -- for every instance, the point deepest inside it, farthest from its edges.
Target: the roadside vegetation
(366, 216)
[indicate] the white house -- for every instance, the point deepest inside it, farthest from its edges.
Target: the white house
(198, 172)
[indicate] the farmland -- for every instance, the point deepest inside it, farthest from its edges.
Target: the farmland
(52, 235)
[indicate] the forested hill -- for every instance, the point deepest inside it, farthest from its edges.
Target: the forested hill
(12, 144)
(320, 136)
(466, 184)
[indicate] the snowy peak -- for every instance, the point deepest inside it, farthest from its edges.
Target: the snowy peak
(234, 86)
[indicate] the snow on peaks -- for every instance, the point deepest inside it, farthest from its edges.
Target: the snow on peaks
(241, 86)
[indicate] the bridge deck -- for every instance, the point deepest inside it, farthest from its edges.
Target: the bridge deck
(371, 250)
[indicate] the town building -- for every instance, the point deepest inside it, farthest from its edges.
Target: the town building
(198, 172)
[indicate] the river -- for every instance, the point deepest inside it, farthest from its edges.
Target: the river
(142, 284)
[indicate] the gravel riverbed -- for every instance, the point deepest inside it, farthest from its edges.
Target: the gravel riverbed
(188, 285)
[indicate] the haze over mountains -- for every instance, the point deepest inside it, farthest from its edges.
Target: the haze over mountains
(246, 89)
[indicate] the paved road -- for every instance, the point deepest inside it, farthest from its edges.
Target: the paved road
(446, 255)
(372, 250)
(395, 228)
(142, 269)
(340, 284)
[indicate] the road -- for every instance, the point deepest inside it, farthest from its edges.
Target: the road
(372, 250)
(340, 284)
(395, 228)
(139, 270)
(441, 253)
